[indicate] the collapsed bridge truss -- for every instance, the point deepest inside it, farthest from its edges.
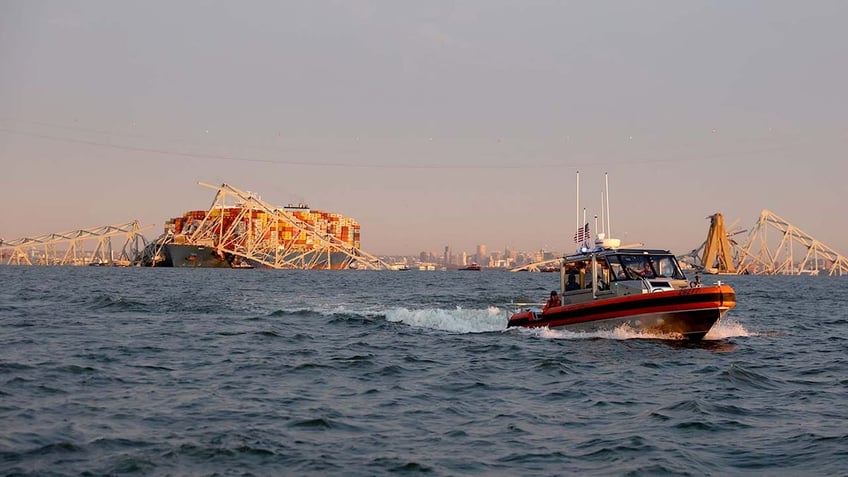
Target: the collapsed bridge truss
(72, 248)
(773, 246)
(792, 252)
(252, 235)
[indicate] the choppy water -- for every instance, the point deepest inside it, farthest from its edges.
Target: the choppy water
(262, 372)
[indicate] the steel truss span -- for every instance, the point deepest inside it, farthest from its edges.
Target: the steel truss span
(773, 246)
(78, 247)
(791, 252)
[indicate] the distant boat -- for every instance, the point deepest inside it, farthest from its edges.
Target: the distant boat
(473, 267)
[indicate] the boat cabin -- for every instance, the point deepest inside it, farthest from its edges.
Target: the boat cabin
(619, 272)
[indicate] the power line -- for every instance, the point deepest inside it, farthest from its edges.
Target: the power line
(488, 166)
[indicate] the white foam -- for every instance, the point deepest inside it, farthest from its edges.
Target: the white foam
(623, 332)
(721, 330)
(726, 329)
(461, 320)
(457, 320)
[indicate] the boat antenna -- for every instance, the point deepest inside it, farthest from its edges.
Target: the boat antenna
(608, 229)
(577, 202)
(603, 224)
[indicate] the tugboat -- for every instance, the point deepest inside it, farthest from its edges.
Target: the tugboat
(606, 287)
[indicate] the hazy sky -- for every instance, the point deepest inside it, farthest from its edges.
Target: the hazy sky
(432, 123)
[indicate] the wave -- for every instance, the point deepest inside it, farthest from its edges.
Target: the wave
(458, 320)
(741, 376)
(107, 302)
(725, 328)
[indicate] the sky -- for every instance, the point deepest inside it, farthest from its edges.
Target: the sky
(433, 124)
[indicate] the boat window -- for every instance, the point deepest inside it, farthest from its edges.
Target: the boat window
(616, 272)
(667, 266)
(603, 274)
(586, 270)
(582, 273)
(572, 274)
(637, 266)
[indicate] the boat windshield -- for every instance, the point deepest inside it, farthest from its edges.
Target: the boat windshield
(637, 266)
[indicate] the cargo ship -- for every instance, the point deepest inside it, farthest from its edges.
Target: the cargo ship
(294, 236)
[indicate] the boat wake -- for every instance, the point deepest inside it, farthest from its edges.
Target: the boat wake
(461, 320)
(727, 329)
(458, 320)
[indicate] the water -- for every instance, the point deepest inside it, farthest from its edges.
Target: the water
(110, 371)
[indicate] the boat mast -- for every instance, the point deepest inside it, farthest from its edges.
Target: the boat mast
(577, 202)
(606, 188)
(603, 217)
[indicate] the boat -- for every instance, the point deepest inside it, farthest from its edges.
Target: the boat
(473, 267)
(643, 289)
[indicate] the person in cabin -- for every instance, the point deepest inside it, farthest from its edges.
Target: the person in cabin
(572, 282)
(646, 271)
(552, 301)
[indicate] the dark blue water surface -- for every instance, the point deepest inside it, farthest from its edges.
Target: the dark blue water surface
(263, 372)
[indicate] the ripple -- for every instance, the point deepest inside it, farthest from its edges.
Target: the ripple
(321, 423)
(213, 376)
(10, 367)
(53, 448)
(120, 304)
(738, 375)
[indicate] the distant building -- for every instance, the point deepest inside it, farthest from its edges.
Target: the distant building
(481, 254)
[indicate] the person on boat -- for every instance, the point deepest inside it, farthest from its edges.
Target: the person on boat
(646, 271)
(552, 301)
(572, 282)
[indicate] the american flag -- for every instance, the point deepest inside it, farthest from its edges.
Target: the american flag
(581, 234)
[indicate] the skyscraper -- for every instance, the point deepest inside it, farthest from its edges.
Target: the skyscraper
(481, 254)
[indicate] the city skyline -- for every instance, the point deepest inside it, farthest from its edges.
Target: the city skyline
(430, 124)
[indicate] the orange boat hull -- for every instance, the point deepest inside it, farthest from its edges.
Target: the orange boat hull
(687, 312)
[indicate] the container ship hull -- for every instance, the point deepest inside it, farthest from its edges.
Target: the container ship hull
(192, 256)
(198, 256)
